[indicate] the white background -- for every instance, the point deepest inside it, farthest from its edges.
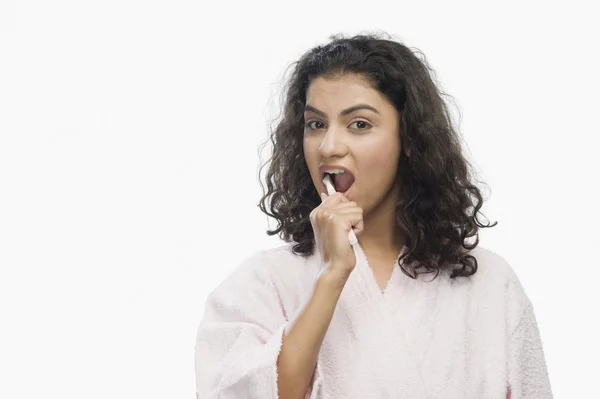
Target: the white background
(129, 135)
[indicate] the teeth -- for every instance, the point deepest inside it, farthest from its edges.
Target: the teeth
(335, 171)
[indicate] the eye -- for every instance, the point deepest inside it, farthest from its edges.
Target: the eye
(307, 124)
(362, 123)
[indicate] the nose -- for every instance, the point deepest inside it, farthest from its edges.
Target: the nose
(333, 144)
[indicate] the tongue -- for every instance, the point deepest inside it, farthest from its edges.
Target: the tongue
(342, 182)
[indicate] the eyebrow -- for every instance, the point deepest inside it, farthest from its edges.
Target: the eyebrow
(344, 112)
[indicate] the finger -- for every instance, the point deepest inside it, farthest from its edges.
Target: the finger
(360, 226)
(357, 223)
(325, 212)
(338, 197)
(344, 205)
(352, 218)
(333, 198)
(342, 210)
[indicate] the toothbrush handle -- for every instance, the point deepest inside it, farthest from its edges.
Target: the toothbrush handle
(330, 191)
(352, 238)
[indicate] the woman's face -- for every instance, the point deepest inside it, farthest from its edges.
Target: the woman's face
(364, 141)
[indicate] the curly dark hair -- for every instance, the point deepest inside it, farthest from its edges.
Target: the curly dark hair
(439, 203)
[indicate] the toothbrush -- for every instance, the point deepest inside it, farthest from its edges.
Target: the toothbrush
(331, 190)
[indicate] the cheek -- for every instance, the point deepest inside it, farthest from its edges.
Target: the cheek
(379, 167)
(310, 157)
(383, 160)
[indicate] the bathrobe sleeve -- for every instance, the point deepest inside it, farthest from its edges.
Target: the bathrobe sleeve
(528, 373)
(240, 335)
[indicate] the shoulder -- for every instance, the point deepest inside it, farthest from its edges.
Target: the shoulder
(492, 268)
(489, 261)
(496, 278)
(274, 267)
(288, 269)
(273, 277)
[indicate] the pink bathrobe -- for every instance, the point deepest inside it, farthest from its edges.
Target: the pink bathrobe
(474, 337)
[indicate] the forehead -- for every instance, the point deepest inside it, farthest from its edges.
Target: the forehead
(341, 91)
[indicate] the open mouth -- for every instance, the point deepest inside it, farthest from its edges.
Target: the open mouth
(341, 181)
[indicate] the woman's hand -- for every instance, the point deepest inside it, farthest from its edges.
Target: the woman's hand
(331, 222)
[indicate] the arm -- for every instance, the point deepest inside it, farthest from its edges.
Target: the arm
(239, 337)
(242, 349)
(301, 345)
(528, 373)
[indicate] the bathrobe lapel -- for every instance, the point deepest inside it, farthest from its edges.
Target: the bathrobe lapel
(389, 344)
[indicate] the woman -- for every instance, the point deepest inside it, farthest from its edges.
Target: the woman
(414, 310)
